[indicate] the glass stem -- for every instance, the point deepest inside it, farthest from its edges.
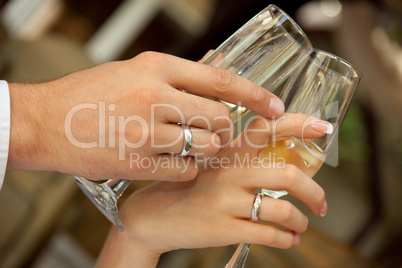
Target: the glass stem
(239, 258)
(118, 187)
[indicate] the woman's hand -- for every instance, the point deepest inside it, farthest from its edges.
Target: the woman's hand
(119, 119)
(215, 208)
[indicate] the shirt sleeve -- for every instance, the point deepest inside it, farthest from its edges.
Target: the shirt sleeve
(4, 128)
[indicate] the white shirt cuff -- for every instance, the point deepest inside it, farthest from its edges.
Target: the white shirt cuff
(4, 128)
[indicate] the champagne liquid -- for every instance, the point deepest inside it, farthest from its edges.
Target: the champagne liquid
(304, 154)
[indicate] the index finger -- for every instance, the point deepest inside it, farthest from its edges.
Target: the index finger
(201, 79)
(260, 131)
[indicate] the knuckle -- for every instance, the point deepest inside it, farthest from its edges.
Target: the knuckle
(221, 110)
(257, 94)
(149, 97)
(291, 174)
(152, 59)
(133, 133)
(261, 123)
(219, 201)
(197, 105)
(155, 97)
(213, 148)
(220, 174)
(223, 79)
(206, 144)
(150, 56)
(149, 137)
(285, 211)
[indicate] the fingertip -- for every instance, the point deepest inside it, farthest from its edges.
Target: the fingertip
(313, 127)
(206, 55)
(216, 141)
(322, 127)
(296, 239)
(324, 209)
(276, 107)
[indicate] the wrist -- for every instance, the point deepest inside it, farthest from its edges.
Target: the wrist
(29, 121)
(121, 250)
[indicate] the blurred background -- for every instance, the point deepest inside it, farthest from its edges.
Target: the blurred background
(46, 221)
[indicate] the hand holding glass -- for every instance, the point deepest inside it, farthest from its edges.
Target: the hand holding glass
(265, 50)
(323, 87)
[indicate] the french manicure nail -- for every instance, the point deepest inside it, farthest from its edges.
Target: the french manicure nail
(324, 209)
(296, 239)
(323, 127)
(276, 106)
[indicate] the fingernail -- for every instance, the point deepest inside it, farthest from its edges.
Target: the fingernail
(276, 106)
(206, 55)
(296, 239)
(323, 127)
(216, 140)
(324, 209)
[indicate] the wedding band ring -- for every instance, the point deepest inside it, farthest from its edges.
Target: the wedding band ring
(188, 140)
(259, 194)
(255, 211)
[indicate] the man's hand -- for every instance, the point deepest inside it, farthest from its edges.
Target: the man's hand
(120, 119)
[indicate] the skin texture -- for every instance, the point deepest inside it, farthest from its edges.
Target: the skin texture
(214, 209)
(91, 122)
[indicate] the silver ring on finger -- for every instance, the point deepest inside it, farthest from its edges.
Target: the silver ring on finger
(255, 211)
(188, 140)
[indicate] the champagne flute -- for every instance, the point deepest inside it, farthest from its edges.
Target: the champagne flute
(323, 87)
(265, 50)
